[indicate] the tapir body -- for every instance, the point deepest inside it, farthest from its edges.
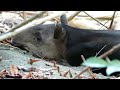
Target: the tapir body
(89, 43)
(63, 41)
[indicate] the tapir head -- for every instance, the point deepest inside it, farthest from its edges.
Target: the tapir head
(45, 40)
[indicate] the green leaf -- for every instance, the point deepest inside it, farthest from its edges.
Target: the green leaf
(114, 66)
(95, 62)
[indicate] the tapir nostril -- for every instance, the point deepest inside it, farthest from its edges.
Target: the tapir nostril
(16, 44)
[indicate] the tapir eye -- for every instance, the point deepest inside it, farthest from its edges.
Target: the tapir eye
(38, 36)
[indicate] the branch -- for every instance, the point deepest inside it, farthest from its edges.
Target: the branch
(85, 69)
(73, 15)
(89, 71)
(109, 52)
(96, 20)
(29, 25)
(104, 23)
(110, 27)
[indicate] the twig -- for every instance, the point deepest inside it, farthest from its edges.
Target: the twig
(110, 27)
(70, 74)
(54, 64)
(109, 52)
(24, 15)
(89, 71)
(107, 21)
(96, 20)
(100, 51)
(58, 69)
(33, 23)
(104, 24)
(73, 15)
(66, 73)
(85, 69)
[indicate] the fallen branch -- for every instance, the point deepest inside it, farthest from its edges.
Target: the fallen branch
(73, 15)
(109, 52)
(108, 20)
(29, 25)
(100, 51)
(96, 20)
(85, 69)
(110, 27)
(89, 71)
(104, 24)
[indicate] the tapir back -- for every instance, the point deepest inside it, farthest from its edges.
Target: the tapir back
(89, 43)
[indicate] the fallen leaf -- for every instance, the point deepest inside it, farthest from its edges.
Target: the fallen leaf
(65, 74)
(14, 70)
(31, 61)
(3, 73)
(28, 75)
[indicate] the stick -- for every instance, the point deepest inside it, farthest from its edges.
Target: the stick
(96, 20)
(85, 69)
(73, 15)
(34, 23)
(107, 21)
(110, 27)
(89, 71)
(109, 52)
(104, 24)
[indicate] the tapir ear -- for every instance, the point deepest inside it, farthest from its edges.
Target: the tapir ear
(59, 33)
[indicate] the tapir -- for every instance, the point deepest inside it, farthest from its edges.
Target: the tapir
(61, 40)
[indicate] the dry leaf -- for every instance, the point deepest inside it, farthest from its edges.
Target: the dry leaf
(14, 70)
(34, 75)
(3, 73)
(31, 61)
(28, 75)
(65, 74)
(54, 63)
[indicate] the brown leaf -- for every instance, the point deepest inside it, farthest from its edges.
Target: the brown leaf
(58, 68)
(34, 75)
(3, 73)
(31, 61)
(14, 70)
(15, 77)
(28, 75)
(65, 74)
(54, 63)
